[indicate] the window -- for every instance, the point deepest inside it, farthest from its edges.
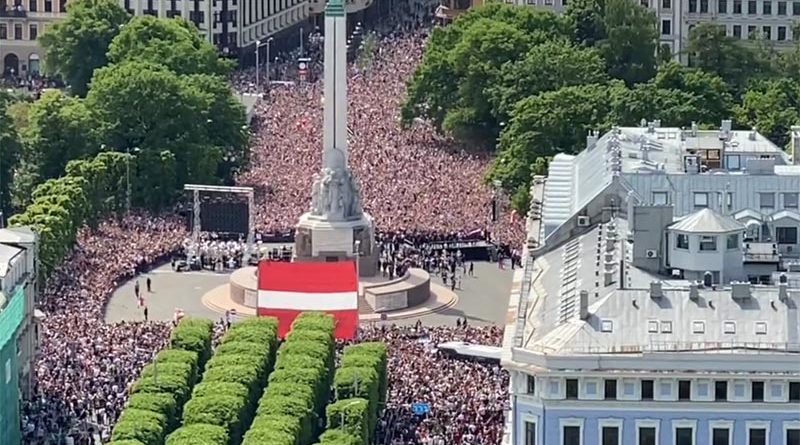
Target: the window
(708, 243)
(767, 32)
(794, 391)
(733, 162)
(682, 241)
(647, 390)
(751, 32)
(722, 6)
(33, 32)
(692, 5)
(646, 432)
(737, 6)
(606, 326)
(48, 5)
(721, 391)
(757, 436)
(3, 31)
(572, 389)
(721, 432)
(531, 385)
(571, 433)
(610, 431)
(781, 33)
(666, 4)
(793, 436)
(781, 8)
(18, 31)
(684, 436)
(761, 328)
(666, 27)
(786, 235)
(795, 8)
(666, 327)
(733, 241)
(751, 7)
(698, 327)
(652, 327)
(737, 32)
(530, 433)
(610, 389)
(729, 327)
(790, 200)
(757, 391)
(767, 7)
(703, 6)
(684, 389)
(700, 199)
(33, 5)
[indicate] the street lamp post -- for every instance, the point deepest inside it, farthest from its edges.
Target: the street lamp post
(358, 256)
(259, 44)
(301, 42)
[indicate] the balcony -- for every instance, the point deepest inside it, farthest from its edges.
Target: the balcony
(14, 12)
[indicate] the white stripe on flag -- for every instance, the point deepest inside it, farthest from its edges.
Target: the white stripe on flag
(335, 301)
(350, 133)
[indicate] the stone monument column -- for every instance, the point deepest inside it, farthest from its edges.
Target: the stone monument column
(336, 228)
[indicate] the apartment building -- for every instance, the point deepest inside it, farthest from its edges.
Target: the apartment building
(229, 24)
(18, 326)
(658, 299)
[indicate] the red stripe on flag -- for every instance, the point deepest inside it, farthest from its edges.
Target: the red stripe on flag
(307, 277)
(346, 321)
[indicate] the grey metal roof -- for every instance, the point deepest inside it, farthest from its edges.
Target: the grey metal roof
(7, 253)
(638, 322)
(707, 221)
(17, 235)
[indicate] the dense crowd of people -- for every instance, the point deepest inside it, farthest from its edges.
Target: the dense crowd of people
(84, 366)
(466, 398)
(419, 186)
(411, 179)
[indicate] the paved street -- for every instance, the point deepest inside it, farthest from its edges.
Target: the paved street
(482, 300)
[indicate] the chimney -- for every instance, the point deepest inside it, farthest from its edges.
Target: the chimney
(584, 305)
(726, 127)
(708, 279)
(795, 154)
(694, 292)
(651, 127)
(694, 129)
(783, 292)
(656, 291)
(591, 140)
(752, 135)
(740, 291)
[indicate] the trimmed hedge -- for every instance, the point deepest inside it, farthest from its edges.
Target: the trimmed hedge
(234, 378)
(360, 389)
(158, 395)
(198, 434)
(351, 416)
(338, 437)
(299, 388)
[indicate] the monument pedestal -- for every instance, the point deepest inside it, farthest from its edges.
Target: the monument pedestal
(318, 239)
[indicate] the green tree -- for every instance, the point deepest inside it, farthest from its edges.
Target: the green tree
(587, 19)
(76, 46)
(548, 66)
(630, 42)
(60, 129)
(449, 86)
(772, 107)
(710, 49)
(9, 152)
(174, 43)
(708, 100)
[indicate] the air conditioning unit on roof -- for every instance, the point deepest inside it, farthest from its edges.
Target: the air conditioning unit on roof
(583, 221)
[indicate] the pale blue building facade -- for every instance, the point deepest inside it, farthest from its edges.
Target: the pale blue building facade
(659, 299)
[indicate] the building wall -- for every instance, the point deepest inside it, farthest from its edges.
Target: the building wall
(19, 27)
(9, 395)
(666, 416)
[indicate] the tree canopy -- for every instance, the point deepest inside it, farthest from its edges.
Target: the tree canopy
(530, 83)
(77, 45)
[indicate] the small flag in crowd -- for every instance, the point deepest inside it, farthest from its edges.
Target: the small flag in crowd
(350, 133)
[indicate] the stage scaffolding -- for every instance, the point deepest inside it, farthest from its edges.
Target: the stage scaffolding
(196, 189)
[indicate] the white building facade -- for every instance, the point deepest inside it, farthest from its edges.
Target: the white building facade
(646, 314)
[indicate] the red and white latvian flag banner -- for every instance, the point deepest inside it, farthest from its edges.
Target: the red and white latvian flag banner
(287, 289)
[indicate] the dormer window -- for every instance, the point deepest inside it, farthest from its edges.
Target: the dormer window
(682, 241)
(700, 200)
